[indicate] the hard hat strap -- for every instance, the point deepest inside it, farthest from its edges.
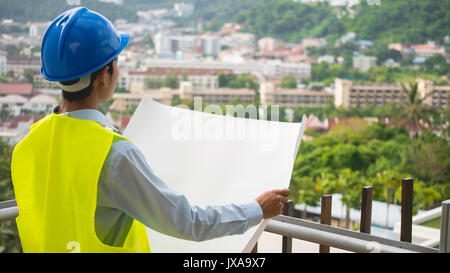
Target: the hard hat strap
(83, 83)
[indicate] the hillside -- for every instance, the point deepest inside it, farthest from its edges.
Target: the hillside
(393, 21)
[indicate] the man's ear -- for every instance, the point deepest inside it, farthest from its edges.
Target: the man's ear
(101, 78)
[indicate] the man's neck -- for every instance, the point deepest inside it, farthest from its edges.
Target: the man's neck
(69, 106)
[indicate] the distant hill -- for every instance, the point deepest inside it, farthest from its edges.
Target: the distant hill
(46, 10)
(409, 21)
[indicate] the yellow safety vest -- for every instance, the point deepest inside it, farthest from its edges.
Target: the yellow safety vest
(55, 170)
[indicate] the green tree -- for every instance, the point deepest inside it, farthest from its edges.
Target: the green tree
(171, 81)
(9, 238)
(415, 109)
(153, 83)
(437, 64)
(352, 184)
(289, 82)
(28, 74)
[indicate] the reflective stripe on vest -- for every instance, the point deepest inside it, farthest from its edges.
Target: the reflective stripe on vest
(55, 171)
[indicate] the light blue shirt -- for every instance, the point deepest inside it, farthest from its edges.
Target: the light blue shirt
(128, 188)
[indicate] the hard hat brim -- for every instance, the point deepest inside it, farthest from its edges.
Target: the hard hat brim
(124, 40)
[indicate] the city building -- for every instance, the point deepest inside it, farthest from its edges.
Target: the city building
(12, 104)
(23, 89)
(364, 63)
(257, 68)
(210, 45)
(37, 30)
(314, 42)
(272, 95)
(183, 10)
(203, 44)
(440, 94)
(231, 27)
(41, 103)
(217, 95)
(427, 50)
(117, 2)
(269, 44)
(128, 101)
(201, 78)
(349, 95)
(18, 64)
(3, 64)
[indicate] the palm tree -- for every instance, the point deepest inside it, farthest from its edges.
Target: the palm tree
(415, 109)
(351, 190)
(391, 180)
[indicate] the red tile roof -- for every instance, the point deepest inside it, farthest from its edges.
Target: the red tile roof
(16, 88)
(24, 118)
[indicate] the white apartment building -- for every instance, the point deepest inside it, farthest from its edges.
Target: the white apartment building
(364, 63)
(206, 44)
(257, 68)
(38, 29)
(201, 78)
(183, 10)
(12, 104)
(269, 44)
(314, 42)
(3, 64)
(277, 67)
(210, 45)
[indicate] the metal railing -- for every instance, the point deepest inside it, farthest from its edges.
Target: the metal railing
(329, 236)
(345, 239)
(326, 235)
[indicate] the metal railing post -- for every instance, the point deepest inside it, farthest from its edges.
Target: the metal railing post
(288, 210)
(407, 210)
(366, 209)
(444, 243)
(325, 218)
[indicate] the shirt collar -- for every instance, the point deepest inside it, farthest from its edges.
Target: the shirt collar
(88, 114)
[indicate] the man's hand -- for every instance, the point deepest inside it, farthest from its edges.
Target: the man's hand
(272, 202)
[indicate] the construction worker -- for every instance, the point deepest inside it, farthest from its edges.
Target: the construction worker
(81, 186)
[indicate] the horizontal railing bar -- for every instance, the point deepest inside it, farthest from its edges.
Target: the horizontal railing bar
(330, 239)
(8, 213)
(8, 204)
(289, 225)
(355, 234)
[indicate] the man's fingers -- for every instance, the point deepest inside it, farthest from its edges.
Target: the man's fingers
(284, 192)
(283, 199)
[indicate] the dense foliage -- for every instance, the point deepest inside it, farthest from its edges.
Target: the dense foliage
(392, 21)
(357, 153)
(9, 239)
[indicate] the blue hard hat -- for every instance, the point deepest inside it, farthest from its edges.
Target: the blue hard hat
(79, 42)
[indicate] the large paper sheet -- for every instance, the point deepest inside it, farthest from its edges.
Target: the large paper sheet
(213, 160)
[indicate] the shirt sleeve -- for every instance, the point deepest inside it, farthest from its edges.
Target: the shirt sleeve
(135, 189)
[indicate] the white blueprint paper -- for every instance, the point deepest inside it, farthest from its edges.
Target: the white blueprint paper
(213, 160)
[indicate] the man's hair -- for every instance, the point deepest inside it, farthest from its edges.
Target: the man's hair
(84, 93)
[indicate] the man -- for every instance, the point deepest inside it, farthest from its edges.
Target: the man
(81, 186)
